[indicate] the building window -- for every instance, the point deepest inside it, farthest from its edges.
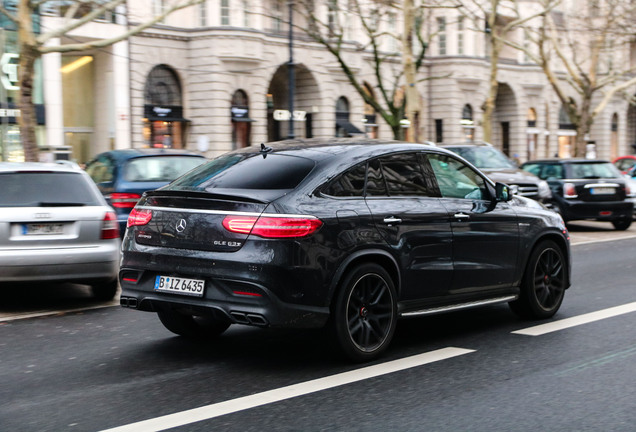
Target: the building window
(164, 125)
(467, 122)
(158, 7)
(343, 127)
(392, 20)
(241, 121)
(277, 18)
(246, 13)
(332, 16)
(225, 12)
(439, 130)
(203, 14)
(441, 35)
(460, 35)
(370, 116)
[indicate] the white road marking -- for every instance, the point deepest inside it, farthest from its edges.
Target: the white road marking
(577, 320)
(243, 403)
(20, 316)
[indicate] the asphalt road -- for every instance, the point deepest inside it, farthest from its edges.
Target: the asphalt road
(90, 367)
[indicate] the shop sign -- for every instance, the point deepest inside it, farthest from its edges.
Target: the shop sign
(284, 115)
(9, 71)
(157, 112)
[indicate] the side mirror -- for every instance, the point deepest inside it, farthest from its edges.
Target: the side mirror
(502, 192)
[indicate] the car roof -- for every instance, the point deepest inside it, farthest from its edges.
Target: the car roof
(59, 166)
(467, 144)
(123, 154)
(321, 149)
(566, 161)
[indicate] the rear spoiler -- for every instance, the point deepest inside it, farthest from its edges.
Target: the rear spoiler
(256, 196)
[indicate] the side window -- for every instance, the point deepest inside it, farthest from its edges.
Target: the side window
(534, 169)
(101, 170)
(457, 180)
(552, 171)
(376, 186)
(348, 184)
(403, 175)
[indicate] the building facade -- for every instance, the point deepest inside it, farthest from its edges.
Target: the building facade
(215, 77)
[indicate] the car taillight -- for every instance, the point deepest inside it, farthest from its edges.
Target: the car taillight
(139, 217)
(272, 226)
(110, 229)
(569, 191)
(124, 200)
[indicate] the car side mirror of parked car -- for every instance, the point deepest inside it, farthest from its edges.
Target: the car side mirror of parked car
(502, 192)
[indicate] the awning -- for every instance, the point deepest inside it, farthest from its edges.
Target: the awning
(167, 119)
(349, 128)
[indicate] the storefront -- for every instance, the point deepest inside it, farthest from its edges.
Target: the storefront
(164, 125)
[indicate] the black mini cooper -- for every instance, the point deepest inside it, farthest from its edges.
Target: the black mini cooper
(349, 234)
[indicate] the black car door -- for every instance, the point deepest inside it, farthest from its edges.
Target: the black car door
(413, 222)
(485, 233)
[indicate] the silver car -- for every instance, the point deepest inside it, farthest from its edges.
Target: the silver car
(56, 226)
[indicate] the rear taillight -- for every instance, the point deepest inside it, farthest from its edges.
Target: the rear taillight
(124, 200)
(569, 191)
(139, 217)
(271, 226)
(110, 229)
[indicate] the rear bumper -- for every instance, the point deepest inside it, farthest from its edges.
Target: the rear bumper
(83, 264)
(604, 211)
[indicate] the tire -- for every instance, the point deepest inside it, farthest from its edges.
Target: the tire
(622, 224)
(364, 315)
(194, 327)
(543, 283)
(105, 291)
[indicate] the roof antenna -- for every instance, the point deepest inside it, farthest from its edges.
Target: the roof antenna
(265, 149)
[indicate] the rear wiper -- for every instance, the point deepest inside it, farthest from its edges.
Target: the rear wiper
(59, 204)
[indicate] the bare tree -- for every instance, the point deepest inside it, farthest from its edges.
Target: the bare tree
(388, 60)
(500, 20)
(32, 46)
(586, 54)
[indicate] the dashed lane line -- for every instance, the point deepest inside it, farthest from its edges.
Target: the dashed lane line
(276, 395)
(577, 320)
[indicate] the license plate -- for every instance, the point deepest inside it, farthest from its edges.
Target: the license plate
(602, 191)
(178, 285)
(42, 228)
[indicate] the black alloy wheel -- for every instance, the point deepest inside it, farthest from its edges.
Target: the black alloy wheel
(195, 327)
(365, 313)
(543, 284)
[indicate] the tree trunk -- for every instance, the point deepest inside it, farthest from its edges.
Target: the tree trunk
(26, 72)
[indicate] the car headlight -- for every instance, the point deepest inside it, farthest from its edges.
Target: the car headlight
(544, 189)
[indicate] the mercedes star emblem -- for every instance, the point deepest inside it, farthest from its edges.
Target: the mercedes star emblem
(181, 225)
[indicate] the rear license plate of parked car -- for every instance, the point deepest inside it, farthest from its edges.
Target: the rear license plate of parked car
(602, 191)
(177, 285)
(42, 228)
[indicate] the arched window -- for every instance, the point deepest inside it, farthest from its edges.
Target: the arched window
(564, 119)
(344, 128)
(241, 121)
(532, 117)
(468, 123)
(164, 125)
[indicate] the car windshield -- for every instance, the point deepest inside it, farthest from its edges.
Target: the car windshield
(484, 157)
(45, 189)
(159, 168)
(592, 170)
(253, 171)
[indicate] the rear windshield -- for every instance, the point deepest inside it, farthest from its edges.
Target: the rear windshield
(592, 170)
(240, 171)
(484, 157)
(159, 168)
(45, 189)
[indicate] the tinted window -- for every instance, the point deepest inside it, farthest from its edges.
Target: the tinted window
(376, 185)
(240, 171)
(593, 170)
(160, 168)
(45, 189)
(348, 184)
(484, 157)
(457, 180)
(403, 175)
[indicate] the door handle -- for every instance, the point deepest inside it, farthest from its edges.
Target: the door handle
(461, 216)
(392, 220)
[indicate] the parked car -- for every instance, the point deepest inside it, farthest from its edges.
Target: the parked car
(348, 233)
(56, 226)
(500, 168)
(586, 189)
(625, 163)
(123, 176)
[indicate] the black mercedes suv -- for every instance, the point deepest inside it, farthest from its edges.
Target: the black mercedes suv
(351, 234)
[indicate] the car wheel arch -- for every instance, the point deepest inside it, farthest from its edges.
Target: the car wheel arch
(377, 256)
(560, 242)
